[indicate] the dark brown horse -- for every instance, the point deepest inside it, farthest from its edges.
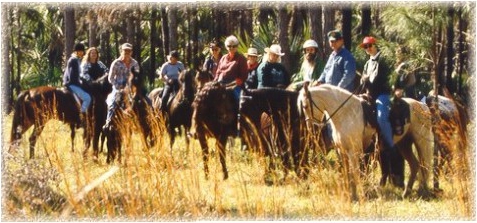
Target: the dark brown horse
(36, 106)
(179, 110)
(214, 115)
(132, 113)
(282, 137)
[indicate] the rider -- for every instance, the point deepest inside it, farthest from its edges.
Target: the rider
(92, 67)
(232, 66)
(170, 72)
(311, 67)
(212, 62)
(120, 76)
(376, 76)
(252, 64)
(340, 69)
(71, 78)
(271, 73)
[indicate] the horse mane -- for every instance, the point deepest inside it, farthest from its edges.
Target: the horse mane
(204, 93)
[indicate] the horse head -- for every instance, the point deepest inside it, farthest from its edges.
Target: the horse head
(202, 77)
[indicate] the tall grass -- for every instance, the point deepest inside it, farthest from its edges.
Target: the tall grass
(157, 184)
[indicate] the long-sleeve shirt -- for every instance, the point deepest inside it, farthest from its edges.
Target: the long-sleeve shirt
(72, 71)
(231, 69)
(119, 73)
(272, 75)
(340, 70)
(94, 70)
(376, 75)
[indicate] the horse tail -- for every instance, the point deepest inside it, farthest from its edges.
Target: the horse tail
(21, 120)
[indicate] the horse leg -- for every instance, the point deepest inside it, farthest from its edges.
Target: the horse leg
(221, 146)
(34, 135)
(413, 166)
(205, 153)
(72, 137)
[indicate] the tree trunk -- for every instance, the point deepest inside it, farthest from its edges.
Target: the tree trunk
(70, 28)
(6, 69)
(283, 20)
(152, 52)
(107, 57)
(462, 50)
(195, 44)
(346, 26)
(165, 32)
(316, 23)
(172, 17)
(92, 28)
(247, 24)
(450, 50)
(329, 24)
(365, 20)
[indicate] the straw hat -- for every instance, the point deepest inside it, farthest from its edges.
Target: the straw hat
(275, 49)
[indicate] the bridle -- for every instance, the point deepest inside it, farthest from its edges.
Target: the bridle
(314, 105)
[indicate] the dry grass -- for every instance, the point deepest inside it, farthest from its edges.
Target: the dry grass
(157, 185)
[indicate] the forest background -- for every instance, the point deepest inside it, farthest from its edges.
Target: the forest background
(37, 39)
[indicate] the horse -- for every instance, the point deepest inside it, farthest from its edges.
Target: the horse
(214, 115)
(282, 125)
(133, 112)
(351, 133)
(36, 106)
(179, 110)
(450, 131)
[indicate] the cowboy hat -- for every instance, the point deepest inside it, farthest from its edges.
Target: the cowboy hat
(275, 49)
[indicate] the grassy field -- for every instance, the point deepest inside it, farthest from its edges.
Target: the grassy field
(155, 184)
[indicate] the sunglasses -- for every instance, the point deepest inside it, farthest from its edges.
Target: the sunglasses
(366, 46)
(231, 46)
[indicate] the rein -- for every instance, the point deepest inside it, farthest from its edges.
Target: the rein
(308, 94)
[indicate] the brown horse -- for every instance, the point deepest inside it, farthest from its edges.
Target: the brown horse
(214, 115)
(202, 77)
(132, 113)
(281, 137)
(179, 110)
(36, 106)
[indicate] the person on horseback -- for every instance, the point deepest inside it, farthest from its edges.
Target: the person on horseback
(376, 76)
(92, 67)
(232, 67)
(340, 69)
(271, 73)
(71, 78)
(252, 64)
(212, 62)
(120, 76)
(170, 72)
(311, 67)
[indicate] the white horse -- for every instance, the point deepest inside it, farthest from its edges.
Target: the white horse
(351, 133)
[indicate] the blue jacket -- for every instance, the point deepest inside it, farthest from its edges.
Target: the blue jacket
(340, 70)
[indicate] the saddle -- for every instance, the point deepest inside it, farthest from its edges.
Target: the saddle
(399, 115)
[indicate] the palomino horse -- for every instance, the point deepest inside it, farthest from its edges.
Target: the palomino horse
(351, 133)
(36, 106)
(179, 110)
(281, 137)
(214, 115)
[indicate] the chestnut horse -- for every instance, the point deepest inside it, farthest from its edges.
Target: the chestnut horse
(36, 106)
(351, 133)
(214, 115)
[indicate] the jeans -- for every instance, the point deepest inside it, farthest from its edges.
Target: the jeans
(85, 98)
(383, 104)
(110, 101)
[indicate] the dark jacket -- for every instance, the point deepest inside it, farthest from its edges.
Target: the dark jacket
(272, 75)
(72, 71)
(381, 69)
